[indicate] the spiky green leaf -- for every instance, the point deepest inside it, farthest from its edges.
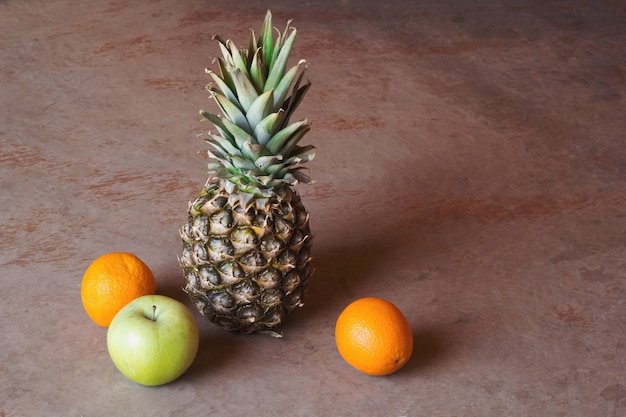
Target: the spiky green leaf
(290, 145)
(257, 71)
(232, 112)
(255, 151)
(282, 89)
(266, 39)
(239, 60)
(260, 108)
(277, 69)
(246, 93)
(264, 130)
(225, 75)
(223, 87)
(282, 136)
(219, 125)
(302, 153)
(264, 162)
(242, 164)
(222, 144)
(291, 104)
(239, 135)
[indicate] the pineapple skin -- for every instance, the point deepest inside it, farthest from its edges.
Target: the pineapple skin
(246, 261)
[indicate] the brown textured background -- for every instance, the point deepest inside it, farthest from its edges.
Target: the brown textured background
(471, 168)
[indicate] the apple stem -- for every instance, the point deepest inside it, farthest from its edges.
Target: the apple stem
(153, 313)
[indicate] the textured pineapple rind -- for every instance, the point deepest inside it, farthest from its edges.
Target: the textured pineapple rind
(246, 261)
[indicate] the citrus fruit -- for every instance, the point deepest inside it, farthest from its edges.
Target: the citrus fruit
(373, 336)
(112, 281)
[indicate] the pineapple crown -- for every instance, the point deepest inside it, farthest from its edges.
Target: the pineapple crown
(256, 148)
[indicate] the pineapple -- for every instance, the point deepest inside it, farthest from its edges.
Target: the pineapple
(247, 243)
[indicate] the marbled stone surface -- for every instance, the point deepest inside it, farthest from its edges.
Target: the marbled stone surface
(471, 168)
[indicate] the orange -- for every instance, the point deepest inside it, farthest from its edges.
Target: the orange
(112, 281)
(373, 336)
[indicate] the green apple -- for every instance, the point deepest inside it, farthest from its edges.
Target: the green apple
(153, 340)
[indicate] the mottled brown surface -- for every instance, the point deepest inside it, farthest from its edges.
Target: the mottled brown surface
(471, 168)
